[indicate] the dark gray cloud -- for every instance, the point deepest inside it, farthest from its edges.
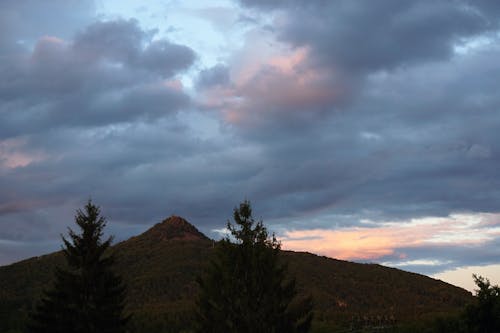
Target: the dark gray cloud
(112, 72)
(124, 43)
(166, 58)
(361, 37)
(214, 76)
(120, 41)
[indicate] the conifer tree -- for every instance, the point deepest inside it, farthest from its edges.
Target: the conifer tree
(87, 296)
(246, 288)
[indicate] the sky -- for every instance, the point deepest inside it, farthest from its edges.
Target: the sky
(360, 130)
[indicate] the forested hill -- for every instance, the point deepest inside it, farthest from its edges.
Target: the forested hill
(160, 267)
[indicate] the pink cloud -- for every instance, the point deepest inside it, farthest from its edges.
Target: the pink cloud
(279, 85)
(49, 49)
(365, 243)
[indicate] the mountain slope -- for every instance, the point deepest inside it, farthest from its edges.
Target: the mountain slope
(160, 267)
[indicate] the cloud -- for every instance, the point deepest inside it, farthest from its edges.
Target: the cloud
(124, 42)
(12, 154)
(430, 150)
(167, 58)
(67, 101)
(379, 36)
(98, 79)
(424, 244)
(217, 75)
(118, 40)
(324, 115)
(274, 90)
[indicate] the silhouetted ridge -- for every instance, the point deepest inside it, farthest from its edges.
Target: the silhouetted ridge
(173, 228)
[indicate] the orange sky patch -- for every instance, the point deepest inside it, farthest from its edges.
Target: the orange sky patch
(364, 243)
(350, 244)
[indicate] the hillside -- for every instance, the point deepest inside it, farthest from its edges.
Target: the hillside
(160, 267)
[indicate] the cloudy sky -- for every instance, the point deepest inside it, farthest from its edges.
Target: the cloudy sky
(360, 130)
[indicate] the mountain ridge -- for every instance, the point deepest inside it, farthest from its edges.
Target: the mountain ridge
(160, 267)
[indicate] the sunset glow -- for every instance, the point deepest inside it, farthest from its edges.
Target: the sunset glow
(388, 239)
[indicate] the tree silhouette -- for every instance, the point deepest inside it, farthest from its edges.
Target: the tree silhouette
(484, 316)
(87, 296)
(245, 287)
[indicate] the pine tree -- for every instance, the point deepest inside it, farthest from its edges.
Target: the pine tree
(246, 288)
(87, 296)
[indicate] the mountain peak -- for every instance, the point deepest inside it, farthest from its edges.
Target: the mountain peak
(174, 228)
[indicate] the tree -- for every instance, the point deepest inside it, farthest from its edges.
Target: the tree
(245, 287)
(484, 316)
(87, 296)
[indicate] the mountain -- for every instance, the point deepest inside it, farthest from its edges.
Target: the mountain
(173, 228)
(160, 268)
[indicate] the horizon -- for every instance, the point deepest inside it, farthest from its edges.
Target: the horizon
(358, 130)
(456, 276)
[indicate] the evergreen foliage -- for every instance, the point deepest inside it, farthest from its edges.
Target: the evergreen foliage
(87, 296)
(484, 317)
(245, 288)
